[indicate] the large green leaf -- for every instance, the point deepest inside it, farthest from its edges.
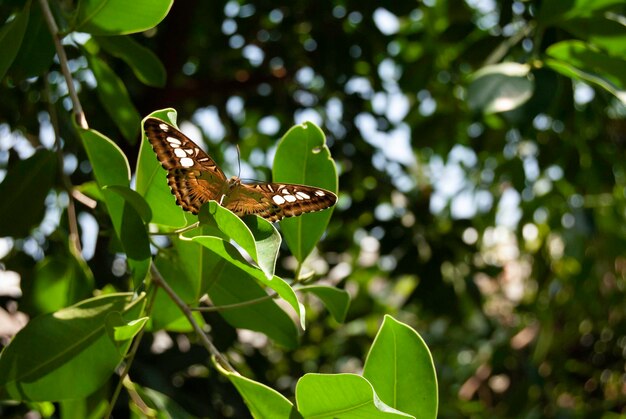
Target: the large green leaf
(11, 36)
(302, 157)
(59, 281)
(400, 368)
(23, 192)
(70, 346)
(144, 63)
(229, 279)
(115, 99)
(263, 401)
(343, 396)
(580, 61)
(110, 167)
(152, 183)
(256, 236)
(37, 49)
(120, 17)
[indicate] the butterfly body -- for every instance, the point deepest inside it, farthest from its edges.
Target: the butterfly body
(194, 178)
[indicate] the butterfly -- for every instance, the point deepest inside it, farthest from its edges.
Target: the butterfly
(194, 178)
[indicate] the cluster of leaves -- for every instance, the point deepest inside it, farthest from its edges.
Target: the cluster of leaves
(521, 304)
(83, 344)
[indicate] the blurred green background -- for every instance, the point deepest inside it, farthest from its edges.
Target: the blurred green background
(499, 236)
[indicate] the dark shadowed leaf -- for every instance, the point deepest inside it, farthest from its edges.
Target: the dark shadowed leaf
(23, 192)
(144, 63)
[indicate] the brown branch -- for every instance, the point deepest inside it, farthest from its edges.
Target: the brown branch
(65, 69)
(74, 237)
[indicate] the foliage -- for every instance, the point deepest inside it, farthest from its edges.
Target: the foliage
(478, 148)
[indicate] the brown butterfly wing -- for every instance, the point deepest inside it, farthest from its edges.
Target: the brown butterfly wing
(275, 201)
(193, 176)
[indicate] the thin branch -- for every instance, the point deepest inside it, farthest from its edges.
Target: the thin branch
(65, 69)
(72, 222)
(131, 355)
(236, 305)
(84, 199)
(158, 279)
(502, 49)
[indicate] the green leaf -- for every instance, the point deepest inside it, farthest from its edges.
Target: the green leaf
(181, 268)
(110, 167)
(70, 346)
(152, 180)
(134, 199)
(263, 401)
(37, 49)
(606, 33)
(59, 281)
(336, 301)
(559, 11)
(115, 99)
(23, 192)
(302, 157)
(500, 87)
(340, 395)
(126, 330)
(144, 63)
(256, 236)
(120, 17)
(400, 368)
(579, 61)
(163, 407)
(231, 280)
(11, 36)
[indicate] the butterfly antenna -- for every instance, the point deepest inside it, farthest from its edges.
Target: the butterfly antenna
(238, 161)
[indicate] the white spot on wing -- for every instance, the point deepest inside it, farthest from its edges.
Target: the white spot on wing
(186, 162)
(319, 193)
(302, 195)
(164, 127)
(285, 191)
(290, 198)
(278, 199)
(180, 152)
(189, 151)
(173, 140)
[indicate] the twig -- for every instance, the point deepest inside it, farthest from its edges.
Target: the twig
(84, 199)
(505, 45)
(74, 237)
(236, 305)
(158, 279)
(131, 355)
(65, 69)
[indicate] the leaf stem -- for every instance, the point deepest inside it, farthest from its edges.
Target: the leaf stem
(175, 232)
(236, 305)
(79, 114)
